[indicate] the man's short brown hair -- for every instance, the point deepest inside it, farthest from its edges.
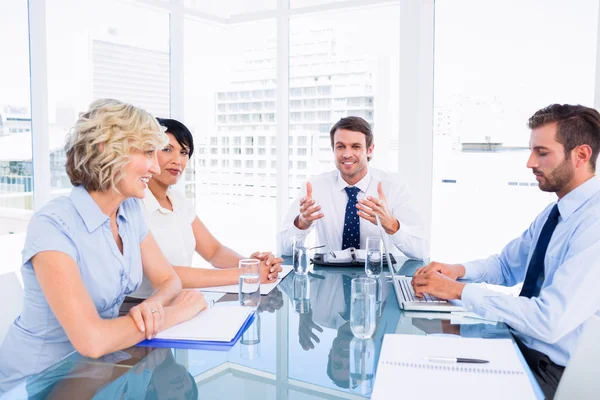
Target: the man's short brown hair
(354, 124)
(576, 125)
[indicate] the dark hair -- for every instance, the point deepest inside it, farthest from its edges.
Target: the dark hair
(576, 125)
(355, 124)
(180, 131)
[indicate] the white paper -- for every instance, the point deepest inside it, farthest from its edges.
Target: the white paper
(214, 324)
(502, 378)
(265, 288)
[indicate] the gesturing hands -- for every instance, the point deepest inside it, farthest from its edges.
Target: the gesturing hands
(308, 210)
(370, 206)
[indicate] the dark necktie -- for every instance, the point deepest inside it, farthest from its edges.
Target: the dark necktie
(351, 234)
(535, 272)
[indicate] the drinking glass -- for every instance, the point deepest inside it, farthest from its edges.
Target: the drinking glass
(249, 288)
(362, 366)
(374, 260)
(362, 307)
(301, 259)
(301, 294)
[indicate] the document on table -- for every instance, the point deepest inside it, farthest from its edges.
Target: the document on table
(220, 324)
(403, 362)
(265, 288)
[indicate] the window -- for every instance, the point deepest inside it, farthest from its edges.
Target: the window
(125, 56)
(482, 100)
(16, 166)
(262, 151)
(234, 78)
(361, 59)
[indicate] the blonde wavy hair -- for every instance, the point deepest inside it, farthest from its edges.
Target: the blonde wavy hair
(98, 147)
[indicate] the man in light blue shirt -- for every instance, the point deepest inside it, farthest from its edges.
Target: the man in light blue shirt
(557, 258)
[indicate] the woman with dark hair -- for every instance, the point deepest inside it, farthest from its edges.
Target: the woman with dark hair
(178, 230)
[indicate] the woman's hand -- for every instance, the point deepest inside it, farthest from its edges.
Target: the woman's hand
(188, 304)
(148, 316)
(270, 266)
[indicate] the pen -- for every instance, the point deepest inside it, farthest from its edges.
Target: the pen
(456, 360)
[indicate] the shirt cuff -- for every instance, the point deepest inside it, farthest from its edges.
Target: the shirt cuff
(474, 270)
(474, 298)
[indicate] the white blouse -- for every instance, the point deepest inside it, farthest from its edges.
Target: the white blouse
(172, 230)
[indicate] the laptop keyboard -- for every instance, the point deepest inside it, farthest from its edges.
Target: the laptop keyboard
(409, 294)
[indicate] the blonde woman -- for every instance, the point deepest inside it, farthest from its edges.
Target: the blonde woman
(84, 253)
(178, 230)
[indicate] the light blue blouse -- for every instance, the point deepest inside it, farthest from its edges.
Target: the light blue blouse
(74, 225)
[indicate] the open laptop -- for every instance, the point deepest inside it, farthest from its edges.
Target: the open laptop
(406, 295)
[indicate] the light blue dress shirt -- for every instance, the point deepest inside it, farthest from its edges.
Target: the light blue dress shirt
(552, 322)
(74, 225)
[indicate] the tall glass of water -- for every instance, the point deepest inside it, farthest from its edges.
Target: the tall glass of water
(362, 307)
(249, 289)
(374, 260)
(301, 260)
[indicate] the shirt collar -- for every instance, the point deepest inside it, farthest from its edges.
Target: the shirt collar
(87, 208)
(363, 184)
(577, 197)
(152, 204)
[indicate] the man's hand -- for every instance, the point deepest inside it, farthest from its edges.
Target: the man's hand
(308, 210)
(270, 266)
(305, 331)
(438, 285)
(370, 206)
(452, 271)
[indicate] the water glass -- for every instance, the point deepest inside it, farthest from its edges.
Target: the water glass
(374, 260)
(362, 307)
(362, 366)
(301, 294)
(250, 341)
(301, 259)
(249, 288)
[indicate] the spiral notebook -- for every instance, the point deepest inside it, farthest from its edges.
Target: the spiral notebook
(403, 368)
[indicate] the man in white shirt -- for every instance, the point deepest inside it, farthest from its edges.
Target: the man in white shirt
(342, 204)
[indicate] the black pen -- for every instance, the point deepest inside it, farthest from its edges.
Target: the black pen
(456, 360)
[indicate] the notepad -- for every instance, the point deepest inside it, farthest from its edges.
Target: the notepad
(403, 368)
(265, 288)
(219, 324)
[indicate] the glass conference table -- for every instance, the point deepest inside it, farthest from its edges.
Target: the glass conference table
(299, 347)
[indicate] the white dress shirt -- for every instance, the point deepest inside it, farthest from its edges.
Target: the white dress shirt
(328, 192)
(172, 231)
(553, 321)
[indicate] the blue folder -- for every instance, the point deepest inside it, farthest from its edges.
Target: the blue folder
(199, 344)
